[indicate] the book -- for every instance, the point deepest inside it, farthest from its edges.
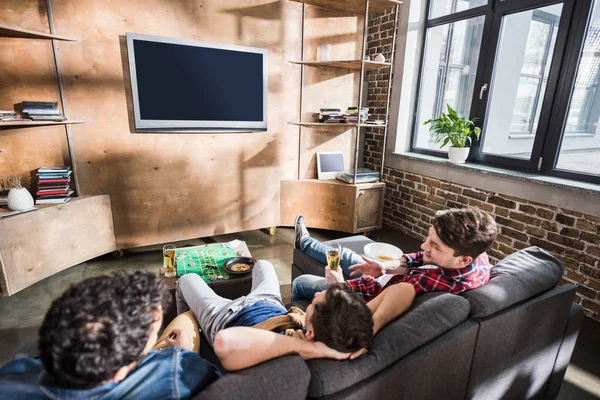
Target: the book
(41, 111)
(54, 175)
(53, 196)
(58, 187)
(37, 104)
(54, 169)
(57, 118)
(59, 180)
(53, 201)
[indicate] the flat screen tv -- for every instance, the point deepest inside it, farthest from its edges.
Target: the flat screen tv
(188, 86)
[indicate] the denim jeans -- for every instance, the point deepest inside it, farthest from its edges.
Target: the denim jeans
(214, 312)
(304, 287)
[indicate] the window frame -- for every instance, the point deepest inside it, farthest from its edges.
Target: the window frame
(572, 28)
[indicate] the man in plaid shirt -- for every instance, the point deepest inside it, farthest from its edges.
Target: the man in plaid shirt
(453, 260)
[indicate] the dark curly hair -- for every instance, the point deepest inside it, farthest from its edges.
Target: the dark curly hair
(468, 231)
(343, 321)
(100, 325)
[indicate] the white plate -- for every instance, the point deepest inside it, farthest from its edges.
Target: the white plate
(375, 250)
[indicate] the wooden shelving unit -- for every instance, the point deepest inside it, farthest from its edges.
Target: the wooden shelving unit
(344, 64)
(14, 32)
(332, 204)
(25, 124)
(353, 6)
(323, 124)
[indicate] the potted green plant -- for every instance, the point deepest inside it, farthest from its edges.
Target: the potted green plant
(19, 198)
(452, 128)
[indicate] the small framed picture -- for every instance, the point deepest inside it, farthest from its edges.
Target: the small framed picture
(328, 163)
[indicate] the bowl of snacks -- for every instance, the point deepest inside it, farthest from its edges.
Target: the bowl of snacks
(239, 265)
(382, 252)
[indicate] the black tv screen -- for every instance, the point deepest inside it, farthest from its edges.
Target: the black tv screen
(180, 85)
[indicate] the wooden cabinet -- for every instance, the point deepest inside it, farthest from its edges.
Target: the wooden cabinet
(334, 205)
(41, 243)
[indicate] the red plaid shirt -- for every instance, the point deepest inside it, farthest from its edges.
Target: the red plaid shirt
(429, 278)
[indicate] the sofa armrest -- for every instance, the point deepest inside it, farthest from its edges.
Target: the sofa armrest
(282, 378)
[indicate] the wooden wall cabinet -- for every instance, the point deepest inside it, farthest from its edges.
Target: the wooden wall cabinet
(55, 237)
(334, 205)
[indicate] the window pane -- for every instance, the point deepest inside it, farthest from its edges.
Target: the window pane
(439, 8)
(451, 55)
(580, 147)
(526, 45)
(525, 104)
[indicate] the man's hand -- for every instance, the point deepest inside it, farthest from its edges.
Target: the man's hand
(369, 267)
(178, 337)
(321, 350)
(332, 277)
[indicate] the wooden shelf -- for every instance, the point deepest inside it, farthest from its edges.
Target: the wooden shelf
(353, 6)
(338, 125)
(344, 64)
(24, 124)
(10, 31)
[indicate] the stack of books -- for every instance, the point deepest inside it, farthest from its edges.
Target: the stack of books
(352, 115)
(54, 185)
(40, 111)
(331, 116)
(9, 116)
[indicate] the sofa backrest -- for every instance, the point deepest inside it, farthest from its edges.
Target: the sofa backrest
(516, 278)
(522, 319)
(431, 315)
(285, 377)
(517, 347)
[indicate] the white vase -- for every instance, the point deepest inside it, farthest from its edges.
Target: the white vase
(19, 199)
(458, 155)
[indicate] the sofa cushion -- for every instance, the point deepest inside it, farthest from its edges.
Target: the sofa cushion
(521, 275)
(430, 316)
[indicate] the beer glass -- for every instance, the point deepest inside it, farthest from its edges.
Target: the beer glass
(333, 256)
(169, 260)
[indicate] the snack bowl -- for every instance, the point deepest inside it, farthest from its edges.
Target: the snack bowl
(382, 252)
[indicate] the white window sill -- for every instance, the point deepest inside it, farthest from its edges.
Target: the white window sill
(558, 192)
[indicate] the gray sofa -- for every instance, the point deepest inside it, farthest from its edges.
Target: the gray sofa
(509, 339)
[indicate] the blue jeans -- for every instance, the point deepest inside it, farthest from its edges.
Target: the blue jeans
(304, 287)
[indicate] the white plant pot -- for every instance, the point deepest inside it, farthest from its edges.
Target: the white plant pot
(458, 155)
(19, 199)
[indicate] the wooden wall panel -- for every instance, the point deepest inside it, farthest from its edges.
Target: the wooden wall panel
(168, 187)
(27, 72)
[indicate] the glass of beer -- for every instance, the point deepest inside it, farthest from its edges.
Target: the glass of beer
(333, 256)
(169, 260)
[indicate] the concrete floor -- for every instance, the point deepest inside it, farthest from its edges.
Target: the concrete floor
(22, 313)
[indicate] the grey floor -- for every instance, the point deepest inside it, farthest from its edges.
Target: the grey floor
(22, 314)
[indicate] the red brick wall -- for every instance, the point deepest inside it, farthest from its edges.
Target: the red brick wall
(411, 200)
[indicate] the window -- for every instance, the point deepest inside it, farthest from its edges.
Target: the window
(580, 142)
(528, 70)
(451, 55)
(525, 47)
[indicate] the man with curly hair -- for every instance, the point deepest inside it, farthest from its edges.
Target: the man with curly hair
(97, 339)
